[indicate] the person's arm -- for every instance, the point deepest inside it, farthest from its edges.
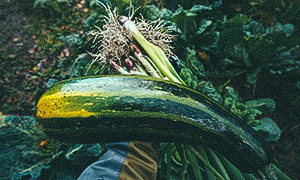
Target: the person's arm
(125, 160)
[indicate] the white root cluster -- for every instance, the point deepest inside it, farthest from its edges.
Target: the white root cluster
(112, 41)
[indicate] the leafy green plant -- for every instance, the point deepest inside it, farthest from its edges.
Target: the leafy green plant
(251, 110)
(43, 2)
(194, 75)
(21, 151)
(198, 29)
(48, 74)
(269, 12)
(190, 75)
(250, 48)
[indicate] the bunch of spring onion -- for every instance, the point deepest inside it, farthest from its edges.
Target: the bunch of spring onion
(135, 48)
(155, 61)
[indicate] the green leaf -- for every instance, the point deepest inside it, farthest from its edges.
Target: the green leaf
(195, 76)
(232, 33)
(41, 2)
(152, 12)
(251, 115)
(49, 70)
(169, 159)
(264, 105)
(230, 93)
(183, 170)
(249, 176)
(194, 164)
(218, 165)
(269, 129)
(232, 171)
(199, 8)
(237, 22)
(218, 175)
(203, 26)
(98, 2)
(192, 62)
(184, 21)
(73, 39)
(165, 14)
(209, 172)
(252, 75)
(280, 174)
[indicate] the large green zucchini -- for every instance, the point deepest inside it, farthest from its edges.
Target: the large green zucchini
(121, 108)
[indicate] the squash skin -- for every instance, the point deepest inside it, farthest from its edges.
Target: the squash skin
(118, 108)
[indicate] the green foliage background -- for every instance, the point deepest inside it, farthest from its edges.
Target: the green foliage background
(243, 54)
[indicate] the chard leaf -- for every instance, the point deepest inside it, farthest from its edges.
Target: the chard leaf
(195, 76)
(269, 129)
(233, 95)
(264, 105)
(198, 8)
(203, 26)
(152, 12)
(184, 21)
(252, 75)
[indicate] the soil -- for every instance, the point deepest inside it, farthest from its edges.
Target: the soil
(18, 60)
